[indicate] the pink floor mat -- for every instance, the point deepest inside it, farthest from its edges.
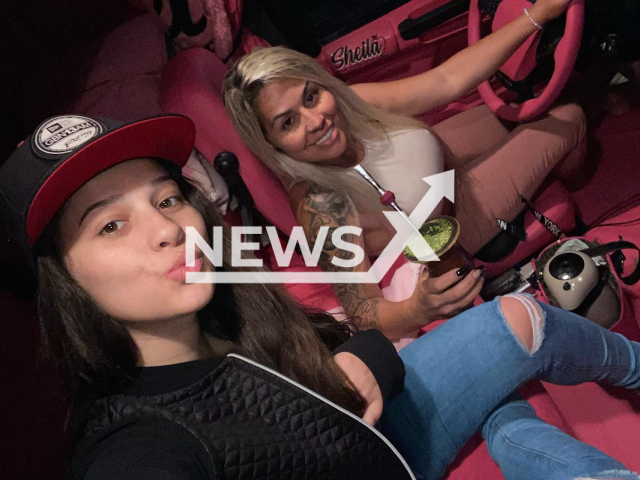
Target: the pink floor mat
(615, 187)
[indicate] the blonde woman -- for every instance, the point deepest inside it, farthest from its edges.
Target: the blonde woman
(311, 129)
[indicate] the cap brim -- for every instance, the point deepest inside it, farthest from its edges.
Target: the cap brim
(170, 137)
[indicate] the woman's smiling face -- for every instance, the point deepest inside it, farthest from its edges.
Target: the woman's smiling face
(303, 120)
(122, 237)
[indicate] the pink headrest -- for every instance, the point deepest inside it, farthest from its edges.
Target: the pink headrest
(191, 85)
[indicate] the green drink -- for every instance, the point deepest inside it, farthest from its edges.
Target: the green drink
(436, 233)
(441, 233)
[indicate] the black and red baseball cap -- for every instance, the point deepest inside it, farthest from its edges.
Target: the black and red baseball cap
(66, 151)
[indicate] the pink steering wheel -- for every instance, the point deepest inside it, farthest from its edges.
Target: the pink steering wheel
(565, 57)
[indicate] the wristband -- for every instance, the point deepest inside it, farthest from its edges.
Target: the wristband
(536, 24)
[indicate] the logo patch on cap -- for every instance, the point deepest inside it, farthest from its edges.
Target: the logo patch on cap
(62, 135)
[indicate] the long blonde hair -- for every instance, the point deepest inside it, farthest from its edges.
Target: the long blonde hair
(362, 121)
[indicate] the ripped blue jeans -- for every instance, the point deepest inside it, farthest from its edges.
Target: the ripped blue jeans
(463, 376)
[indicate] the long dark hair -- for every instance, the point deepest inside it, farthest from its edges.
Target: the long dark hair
(96, 355)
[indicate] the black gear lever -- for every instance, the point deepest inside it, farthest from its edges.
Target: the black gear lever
(228, 166)
(226, 163)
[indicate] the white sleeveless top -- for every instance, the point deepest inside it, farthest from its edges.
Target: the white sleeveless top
(400, 164)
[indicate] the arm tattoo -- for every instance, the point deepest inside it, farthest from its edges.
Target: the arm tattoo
(326, 207)
(367, 314)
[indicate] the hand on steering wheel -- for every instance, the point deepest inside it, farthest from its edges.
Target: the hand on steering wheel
(565, 54)
(552, 9)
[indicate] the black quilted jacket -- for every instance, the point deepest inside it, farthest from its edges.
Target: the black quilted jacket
(257, 424)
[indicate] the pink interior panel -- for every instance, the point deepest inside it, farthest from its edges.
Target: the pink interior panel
(384, 55)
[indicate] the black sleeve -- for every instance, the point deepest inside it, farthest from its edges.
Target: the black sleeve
(379, 354)
(145, 450)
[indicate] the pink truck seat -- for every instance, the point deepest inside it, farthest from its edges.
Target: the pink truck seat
(191, 85)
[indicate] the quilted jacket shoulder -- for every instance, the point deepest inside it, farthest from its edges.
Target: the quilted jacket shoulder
(255, 423)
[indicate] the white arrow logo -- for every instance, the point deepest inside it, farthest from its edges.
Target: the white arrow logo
(441, 186)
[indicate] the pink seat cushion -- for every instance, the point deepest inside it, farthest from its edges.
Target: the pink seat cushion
(319, 296)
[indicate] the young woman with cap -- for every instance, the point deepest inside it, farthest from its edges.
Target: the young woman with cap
(102, 209)
(310, 129)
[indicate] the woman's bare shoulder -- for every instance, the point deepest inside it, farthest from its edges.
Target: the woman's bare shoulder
(312, 203)
(300, 189)
(298, 193)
